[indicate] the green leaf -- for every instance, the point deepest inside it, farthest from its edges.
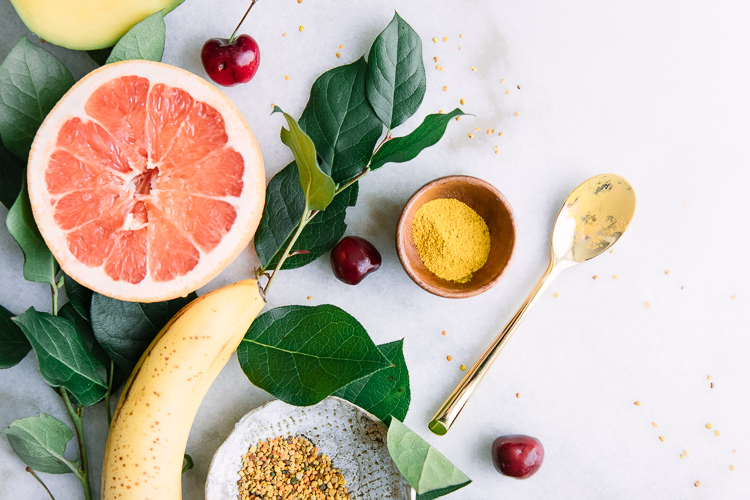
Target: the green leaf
(100, 55)
(13, 343)
(386, 393)
(145, 40)
(11, 176)
(38, 263)
(303, 354)
(62, 358)
(340, 121)
(31, 82)
(79, 297)
(125, 329)
(40, 443)
(316, 185)
(423, 467)
(402, 149)
(396, 80)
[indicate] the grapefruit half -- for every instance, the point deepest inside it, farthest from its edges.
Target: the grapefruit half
(145, 181)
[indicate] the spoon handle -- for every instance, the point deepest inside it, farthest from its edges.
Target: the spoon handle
(447, 414)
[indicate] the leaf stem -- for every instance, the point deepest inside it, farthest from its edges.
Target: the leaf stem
(231, 38)
(109, 392)
(76, 415)
(305, 219)
(31, 471)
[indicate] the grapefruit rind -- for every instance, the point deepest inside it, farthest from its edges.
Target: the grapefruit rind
(249, 205)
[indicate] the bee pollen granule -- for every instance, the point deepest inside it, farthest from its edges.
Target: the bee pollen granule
(290, 468)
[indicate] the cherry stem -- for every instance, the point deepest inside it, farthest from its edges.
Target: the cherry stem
(231, 38)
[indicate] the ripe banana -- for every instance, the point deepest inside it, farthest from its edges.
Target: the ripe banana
(149, 431)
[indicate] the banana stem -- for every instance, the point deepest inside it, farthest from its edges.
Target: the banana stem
(76, 416)
(31, 471)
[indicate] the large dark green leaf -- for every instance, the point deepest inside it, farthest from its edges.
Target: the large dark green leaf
(303, 354)
(11, 176)
(340, 121)
(282, 213)
(31, 82)
(424, 468)
(316, 185)
(62, 358)
(145, 40)
(38, 263)
(40, 443)
(401, 149)
(13, 343)
(396, 80)
(100, 55)
(386, 393)
(125, 329)
(79, 297)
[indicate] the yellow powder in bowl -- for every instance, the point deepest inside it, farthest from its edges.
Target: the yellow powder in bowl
(452, 240)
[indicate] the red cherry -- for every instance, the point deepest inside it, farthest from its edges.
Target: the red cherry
(353, 258)
(231, 63)
(517, 455)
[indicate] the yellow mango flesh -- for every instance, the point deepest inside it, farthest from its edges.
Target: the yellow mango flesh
(86, 24)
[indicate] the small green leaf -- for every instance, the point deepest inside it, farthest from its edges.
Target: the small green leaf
(401, 149)
(386, 393)
(13, 343)
(11, 176)
(302, 354)
(317, 186)
(423, 467)
(40, 443)
(396, 80)
(282, 214)
(100, 55)
(62, 358)
(31, 82)
(79, 297)
(145, 40)
(125, 329)
(38, 263)
(340, 121)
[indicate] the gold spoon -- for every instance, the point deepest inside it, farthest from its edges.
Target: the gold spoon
(590, 221)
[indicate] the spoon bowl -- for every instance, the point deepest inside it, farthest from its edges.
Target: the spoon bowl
(591, 220)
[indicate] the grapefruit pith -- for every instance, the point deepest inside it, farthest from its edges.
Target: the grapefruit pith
(145, 181)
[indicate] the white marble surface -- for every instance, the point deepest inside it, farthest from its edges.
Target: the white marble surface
(654, 91)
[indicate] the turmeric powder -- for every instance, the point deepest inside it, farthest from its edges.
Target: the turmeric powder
(452, 240)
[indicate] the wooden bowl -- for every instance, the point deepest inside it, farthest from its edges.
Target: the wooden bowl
(490, 204)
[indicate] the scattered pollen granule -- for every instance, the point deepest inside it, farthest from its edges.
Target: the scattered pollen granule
(309, 297)
(712, 385)
(716, 433)
(709, 425)
(437, 66)
(614, 276)
(489, 132)
(440, 68)
(458, 118)
(460, 35)
(731, 467)
(434, 40)
(502, 80)
(435, 59)
(708, 377)
(662, 438)
(459, 47)
(686, 453)
(471, 136)
(516, 113)
(441, 112)
(595, 277)
(445, 333)
(697, 483)
(654, 424)
(518, 87)
(555, 294)
(637, 403)
(500, 134)
(286, 77)
(463, 368)
(682, 287)
(507, 92)
(302, 28)
(449, 358)
(518, 395)
(283, 34)
(682, 455)
(462, 101)
(477, 129)
(445, 38)
(734, 297)
(648, 305)
(612, 251)
(338, 55)
(473, 68)
(341, 46)
(666, 271)
(445, 89)
(273, 105)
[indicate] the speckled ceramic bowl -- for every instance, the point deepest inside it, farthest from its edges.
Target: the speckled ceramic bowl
(354, 439)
